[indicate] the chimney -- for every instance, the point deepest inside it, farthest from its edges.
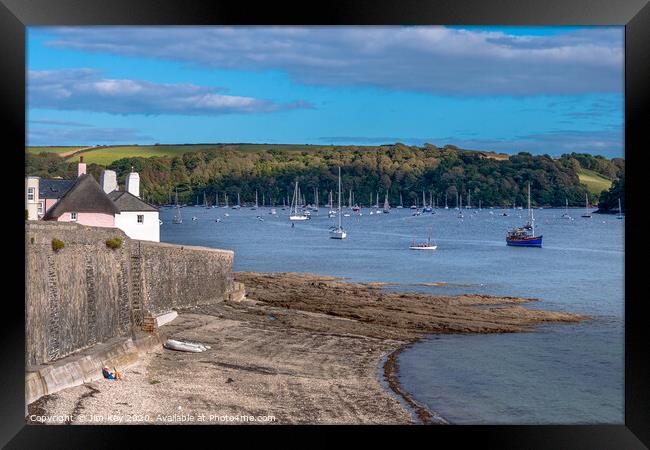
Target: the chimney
(81, 167)
(133, 183)
(108, 181)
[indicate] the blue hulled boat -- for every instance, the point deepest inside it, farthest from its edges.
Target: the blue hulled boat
(525, 236)
(521, 237)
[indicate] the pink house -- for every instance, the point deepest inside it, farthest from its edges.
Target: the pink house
(85, 203)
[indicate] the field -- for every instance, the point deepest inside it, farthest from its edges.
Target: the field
(59, 150)
(594, 181)
(106, 155)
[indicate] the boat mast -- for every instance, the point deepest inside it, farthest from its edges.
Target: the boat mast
(531, 218)
(339, 214)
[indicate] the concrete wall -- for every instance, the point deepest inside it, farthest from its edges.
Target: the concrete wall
(149, 230)
(87, 293)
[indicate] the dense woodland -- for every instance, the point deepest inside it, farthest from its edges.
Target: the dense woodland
(396, 169)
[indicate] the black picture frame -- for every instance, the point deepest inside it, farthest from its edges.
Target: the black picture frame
(15, 15)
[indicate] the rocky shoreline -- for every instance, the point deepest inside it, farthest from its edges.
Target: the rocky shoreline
(300, 349)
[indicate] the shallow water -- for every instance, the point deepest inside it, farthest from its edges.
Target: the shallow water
(557, 374)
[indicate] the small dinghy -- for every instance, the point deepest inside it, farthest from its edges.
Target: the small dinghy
(185, 346)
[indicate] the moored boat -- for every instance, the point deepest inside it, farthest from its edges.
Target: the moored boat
(525, 236)
(339, 232)
(428, 245)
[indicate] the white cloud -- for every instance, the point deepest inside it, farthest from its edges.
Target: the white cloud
(85, 89)
(431, 59)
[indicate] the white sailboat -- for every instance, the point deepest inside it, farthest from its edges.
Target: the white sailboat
(238, 205)
(386, 205)
(587, 214)
(177, 217)
(256, 206)
(620, 216)
(401, 205)
(294, 215)
(566, 209)
(428, 245)
(339, 232)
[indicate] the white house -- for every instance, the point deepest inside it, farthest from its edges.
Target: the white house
(138, 219)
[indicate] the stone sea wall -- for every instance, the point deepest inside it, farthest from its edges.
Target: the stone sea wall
(86, 292)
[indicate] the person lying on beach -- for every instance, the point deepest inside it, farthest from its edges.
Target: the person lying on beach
(111, 375)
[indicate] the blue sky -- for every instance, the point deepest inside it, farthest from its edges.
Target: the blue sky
(538, 89)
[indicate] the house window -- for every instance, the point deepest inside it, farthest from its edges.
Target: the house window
(73, 216)
(40, 207)
(140, 218)
(30, 193)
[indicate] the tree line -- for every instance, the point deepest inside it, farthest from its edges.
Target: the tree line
(395, 169)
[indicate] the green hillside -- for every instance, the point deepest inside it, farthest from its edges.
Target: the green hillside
(595, 182)
(105, 155)
(57, 150)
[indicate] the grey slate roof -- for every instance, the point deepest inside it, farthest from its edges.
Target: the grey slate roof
(125, 201)
(85, 195)
(53, 188)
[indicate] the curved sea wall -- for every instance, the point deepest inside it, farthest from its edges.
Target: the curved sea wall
(86, 292)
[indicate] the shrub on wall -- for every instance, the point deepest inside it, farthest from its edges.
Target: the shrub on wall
(114, 243)
(57, 244)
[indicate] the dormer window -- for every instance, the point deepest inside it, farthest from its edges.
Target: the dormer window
(73, 216)
(140, 218)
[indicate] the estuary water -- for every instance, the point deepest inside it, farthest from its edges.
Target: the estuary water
(557, 374)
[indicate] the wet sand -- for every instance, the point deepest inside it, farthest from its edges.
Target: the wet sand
(301, 349)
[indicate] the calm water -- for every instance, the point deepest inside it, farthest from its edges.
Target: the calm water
(556, 374)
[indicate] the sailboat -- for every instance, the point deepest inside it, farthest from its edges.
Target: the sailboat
(294, 214)
(428, 245)
(525, 236)
(177, 217)
(587, 214)
(566, 209)
(339, 233)
(425, 208)
(620, 216)
(446, 207)
(205, 202)
(315, 208)
(255, 207)
(459, 199)
(238, 205)
(386, 205)
(401, 204)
